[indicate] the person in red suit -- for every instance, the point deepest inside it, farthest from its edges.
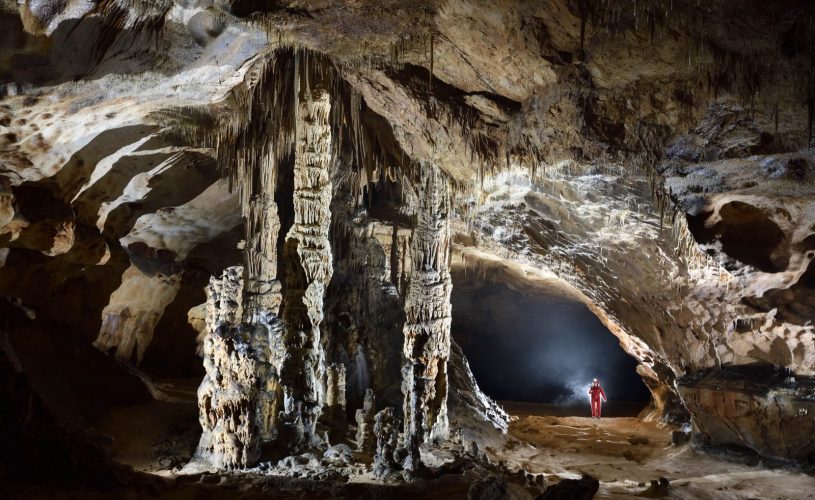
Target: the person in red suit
(595, 393)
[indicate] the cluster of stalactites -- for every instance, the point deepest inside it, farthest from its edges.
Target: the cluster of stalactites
(263, 289)
(427, 318)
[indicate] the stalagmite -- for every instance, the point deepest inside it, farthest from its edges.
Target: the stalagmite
(386, 430)
(335, 396)
(366, 442)
(226, 395)
(307, 254)
(428, 315)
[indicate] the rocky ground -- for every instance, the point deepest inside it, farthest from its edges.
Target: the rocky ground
(627, 454)
(630, 457)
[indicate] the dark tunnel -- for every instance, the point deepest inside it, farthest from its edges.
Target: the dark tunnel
(540, 346)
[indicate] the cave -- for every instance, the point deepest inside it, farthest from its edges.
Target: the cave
(539, 344)
(367, 249)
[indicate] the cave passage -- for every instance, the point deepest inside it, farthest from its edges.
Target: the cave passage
(539, 346)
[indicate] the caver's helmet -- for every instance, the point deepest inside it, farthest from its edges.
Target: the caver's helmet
(595, 382)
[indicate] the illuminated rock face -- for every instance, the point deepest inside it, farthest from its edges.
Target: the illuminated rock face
(134, 310)
(632, 160)
(238, 399)
(226, 397)
(762, 408)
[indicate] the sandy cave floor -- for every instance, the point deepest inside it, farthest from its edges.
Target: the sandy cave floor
(623, 452)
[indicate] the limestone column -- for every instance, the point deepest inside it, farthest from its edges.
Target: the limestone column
(226, 396)
(262, 294)
(263, 290)
(426, 346)
(308, 259)
(240, 397)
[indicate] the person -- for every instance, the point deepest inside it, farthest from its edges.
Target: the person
(595, 393)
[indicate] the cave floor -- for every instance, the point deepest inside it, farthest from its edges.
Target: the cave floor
(626, 453)
(623, 452)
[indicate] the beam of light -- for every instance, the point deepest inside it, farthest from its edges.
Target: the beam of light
(579, 393)
(539, 348)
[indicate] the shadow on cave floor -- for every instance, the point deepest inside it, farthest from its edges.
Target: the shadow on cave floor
(159, 435)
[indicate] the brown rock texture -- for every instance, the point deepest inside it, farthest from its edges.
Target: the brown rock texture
(771, 414)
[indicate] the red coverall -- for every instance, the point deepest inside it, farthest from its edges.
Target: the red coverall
(596, 392)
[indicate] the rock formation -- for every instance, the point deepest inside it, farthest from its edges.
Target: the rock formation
(307, 254)
(427, 317)
(135, 309)
(366, 440)
(765, 409)
(388, 459)
(228, 395)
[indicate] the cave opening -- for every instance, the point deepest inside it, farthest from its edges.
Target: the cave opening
(540, 345)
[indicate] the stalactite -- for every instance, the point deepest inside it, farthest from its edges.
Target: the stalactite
(427, 318)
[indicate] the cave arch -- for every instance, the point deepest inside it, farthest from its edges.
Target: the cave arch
(488, 291)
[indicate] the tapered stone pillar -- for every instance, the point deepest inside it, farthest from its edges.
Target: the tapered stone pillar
(427, 318)
(308, 260)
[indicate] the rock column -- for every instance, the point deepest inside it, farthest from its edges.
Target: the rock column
(263, 296)
(307, 254)
(427, 318)
(226, 397)
(263, 290)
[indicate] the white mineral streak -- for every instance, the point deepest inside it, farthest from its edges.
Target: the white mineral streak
(428, 316)
(309, 253)
(134, 310)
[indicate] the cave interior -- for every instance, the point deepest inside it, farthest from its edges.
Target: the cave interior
(368, 249)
